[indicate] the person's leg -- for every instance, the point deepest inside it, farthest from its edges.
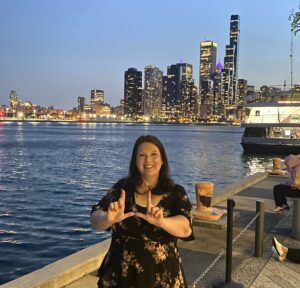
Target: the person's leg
(293, 255)
(279, 192)
(293, 192)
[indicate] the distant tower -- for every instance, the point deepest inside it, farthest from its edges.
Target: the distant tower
(153, 91)
(97, 98)
(231, 63)
(172, 89)
(208, 59)
(133, 93)
(13, 99)
(80, 103)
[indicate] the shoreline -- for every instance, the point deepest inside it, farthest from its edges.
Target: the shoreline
(114, 122)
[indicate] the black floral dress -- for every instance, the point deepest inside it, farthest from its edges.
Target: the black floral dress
(141, 254)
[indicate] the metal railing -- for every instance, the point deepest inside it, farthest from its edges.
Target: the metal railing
(259, 239)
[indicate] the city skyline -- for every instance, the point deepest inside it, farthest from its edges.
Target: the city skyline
(55, 51)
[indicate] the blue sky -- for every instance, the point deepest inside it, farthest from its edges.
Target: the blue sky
(52, 51)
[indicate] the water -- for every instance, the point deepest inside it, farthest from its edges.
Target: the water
(51, 174)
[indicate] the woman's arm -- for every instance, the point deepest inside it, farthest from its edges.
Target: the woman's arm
(178, 226)
(99, 220)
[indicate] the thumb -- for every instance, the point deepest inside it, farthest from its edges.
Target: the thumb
(141, 215)
(127, 215)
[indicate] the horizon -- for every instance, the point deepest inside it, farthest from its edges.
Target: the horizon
(54, 51)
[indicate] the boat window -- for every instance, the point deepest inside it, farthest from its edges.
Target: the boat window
(255, 132)
(248, 111)
(257, 113)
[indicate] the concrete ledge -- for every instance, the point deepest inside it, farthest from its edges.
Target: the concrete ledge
(64, 271)
(219, 225)
(237, 187)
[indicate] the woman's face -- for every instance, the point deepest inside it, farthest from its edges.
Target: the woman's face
(148, 160)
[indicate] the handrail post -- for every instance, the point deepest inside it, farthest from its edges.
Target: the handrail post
(230, 206)
(220, 283)
(259, 228)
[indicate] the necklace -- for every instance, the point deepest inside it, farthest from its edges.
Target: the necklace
(141, 193)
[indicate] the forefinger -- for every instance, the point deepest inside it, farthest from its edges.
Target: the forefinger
(149, 201)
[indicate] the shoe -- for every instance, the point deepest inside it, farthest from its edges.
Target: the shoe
(285, 206)
(278, 247)
(278, 209)
(276, 255)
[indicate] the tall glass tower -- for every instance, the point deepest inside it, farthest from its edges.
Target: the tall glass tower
(231, 63)
(208, 59)
(133, 93)
(153, 91)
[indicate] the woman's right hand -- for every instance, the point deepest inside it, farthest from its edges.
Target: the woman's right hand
(115, 211)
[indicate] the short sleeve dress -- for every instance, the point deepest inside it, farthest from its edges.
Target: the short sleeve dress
(141, 254)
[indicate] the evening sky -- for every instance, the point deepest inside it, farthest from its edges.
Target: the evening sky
(53, 51)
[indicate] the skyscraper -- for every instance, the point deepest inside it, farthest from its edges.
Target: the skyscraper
(231, 63)
(153, 91)
(133, 93)
(172, 89)
(208, 60)
(97, 98)
(80, 103)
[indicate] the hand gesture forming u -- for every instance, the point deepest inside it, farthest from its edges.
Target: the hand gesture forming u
(115, 212)
(154, 214)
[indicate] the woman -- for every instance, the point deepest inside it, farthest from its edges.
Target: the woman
(282, 253)
(292, 187)
(147, 213)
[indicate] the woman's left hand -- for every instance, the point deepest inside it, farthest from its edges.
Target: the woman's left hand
(154, 214)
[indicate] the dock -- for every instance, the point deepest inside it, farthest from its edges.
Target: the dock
(79, 270)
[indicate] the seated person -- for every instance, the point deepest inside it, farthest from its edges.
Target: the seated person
(282, 253)
(292, 186)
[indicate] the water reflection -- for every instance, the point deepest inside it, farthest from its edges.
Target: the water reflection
(257, 163)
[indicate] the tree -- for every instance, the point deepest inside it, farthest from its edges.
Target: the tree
(295, 18)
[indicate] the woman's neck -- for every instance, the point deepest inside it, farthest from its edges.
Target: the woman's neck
(147, 184)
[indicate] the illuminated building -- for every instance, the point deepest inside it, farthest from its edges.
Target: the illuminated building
(208, 59)
(172, 88)
(133, 93)
(230, 80)
(188, 98)
(97, 98)
(80, 103)
(152, 91)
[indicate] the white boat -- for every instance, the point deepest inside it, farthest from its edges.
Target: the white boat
(272, 128)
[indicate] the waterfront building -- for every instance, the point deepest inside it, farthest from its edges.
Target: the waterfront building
(133, 93)
(208, 59)
(152, 91)
(80, 103)
(13, 99)
(230, 79)
(218, 104)
(188, 99)
(242, 91)
(97, 98)
(172, 90)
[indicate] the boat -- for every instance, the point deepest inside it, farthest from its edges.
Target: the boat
(272, 128)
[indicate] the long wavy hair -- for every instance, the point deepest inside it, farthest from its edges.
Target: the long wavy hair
(164, 180)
